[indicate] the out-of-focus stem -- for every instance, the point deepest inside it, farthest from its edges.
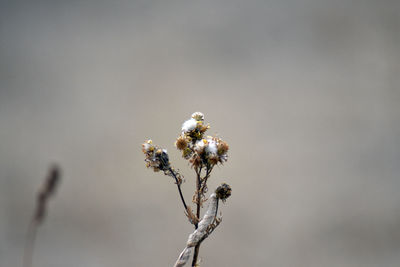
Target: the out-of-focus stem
(30, 243)
(46, 191)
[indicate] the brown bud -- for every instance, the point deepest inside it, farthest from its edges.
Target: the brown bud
(181, 143)
(223, 191)
(223, 147)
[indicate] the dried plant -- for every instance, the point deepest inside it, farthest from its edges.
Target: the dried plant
(203, 154)
(45, 192)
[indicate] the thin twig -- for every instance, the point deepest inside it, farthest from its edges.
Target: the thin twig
(178, 184)
(196, 254)
(199, 194)
(204, 184)
(198, 187)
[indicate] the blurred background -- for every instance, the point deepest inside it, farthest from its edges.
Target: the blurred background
(306, 93)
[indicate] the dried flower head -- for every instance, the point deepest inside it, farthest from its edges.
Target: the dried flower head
(223, 148)
(156, 158)
(181, 143)
(194, 127)
(147, 146)
(223, 191)
(189, 125)
(198, 116)
(200, 150)
(209, 152)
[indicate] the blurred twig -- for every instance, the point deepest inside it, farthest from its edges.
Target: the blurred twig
(47, 190)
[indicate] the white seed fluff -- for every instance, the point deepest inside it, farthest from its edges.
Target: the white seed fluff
(189, 125)
(199, 146)
(212, 147)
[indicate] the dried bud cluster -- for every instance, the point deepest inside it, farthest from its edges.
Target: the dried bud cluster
(156, 158)
(200, 150)
(223, 191)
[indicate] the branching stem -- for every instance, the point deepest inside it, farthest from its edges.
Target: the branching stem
(201, 184)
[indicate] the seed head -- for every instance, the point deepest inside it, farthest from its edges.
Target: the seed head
(198, 116)
(181, 143)
(189, 125)
(196, 147)
(223, 147)
(155, 157)
(147, 146)
(223, 191)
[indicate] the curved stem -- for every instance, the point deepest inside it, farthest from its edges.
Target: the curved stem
(208, 172)
(178, 184)
(212, 229)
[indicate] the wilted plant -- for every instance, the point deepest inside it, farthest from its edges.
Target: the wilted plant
(203, 153)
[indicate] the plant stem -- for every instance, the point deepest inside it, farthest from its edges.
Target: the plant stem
(178, 184)
(197, 247)
(198, 185)
(208, 171)
(30, 243)
(212, 229)
(196, 254)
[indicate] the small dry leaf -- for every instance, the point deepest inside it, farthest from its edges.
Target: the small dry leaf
(192, 218)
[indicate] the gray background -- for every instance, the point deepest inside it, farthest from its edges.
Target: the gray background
(305, 92)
